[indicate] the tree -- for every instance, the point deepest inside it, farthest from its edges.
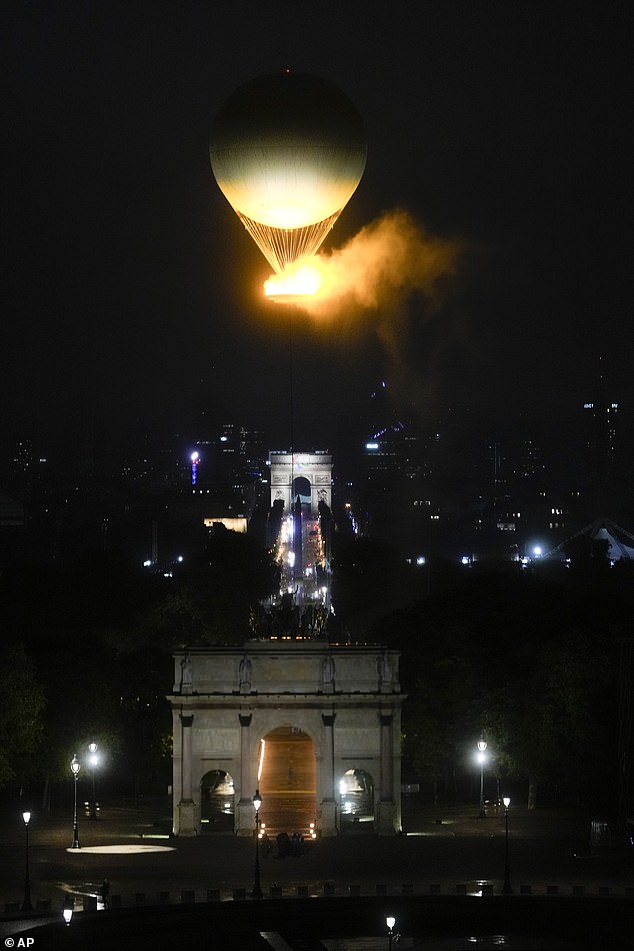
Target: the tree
(144, 679)
(555, 720)
(81, 690)
(20, 713)
(367, 583)
(523, 658)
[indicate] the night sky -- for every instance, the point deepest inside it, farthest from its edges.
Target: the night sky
(132, 291)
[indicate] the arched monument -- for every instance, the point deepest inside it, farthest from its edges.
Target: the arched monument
(288, 468)
(345, 699)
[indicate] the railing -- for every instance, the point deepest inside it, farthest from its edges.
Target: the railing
(326, 889)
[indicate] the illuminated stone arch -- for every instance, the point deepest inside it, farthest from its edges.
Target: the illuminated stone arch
(346, 700)
(287, 468)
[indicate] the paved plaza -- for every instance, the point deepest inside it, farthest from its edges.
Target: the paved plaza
(444, 845)
(447, 851)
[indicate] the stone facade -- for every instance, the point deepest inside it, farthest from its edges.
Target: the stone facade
(316, 467)
(347, 699)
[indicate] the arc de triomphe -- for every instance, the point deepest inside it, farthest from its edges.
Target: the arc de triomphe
(315, 467)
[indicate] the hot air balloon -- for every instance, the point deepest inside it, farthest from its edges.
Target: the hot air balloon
(288, 151)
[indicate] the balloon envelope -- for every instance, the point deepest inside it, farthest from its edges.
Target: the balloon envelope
(288, 151)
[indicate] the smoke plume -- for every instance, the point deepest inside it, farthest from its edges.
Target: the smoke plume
(381, 266)
(395, 280)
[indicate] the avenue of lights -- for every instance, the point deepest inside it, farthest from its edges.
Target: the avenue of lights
(308, 585)
(285, 539)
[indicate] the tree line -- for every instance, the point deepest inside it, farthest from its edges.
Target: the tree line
(532, 660)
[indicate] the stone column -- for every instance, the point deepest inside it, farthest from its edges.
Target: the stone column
(386, 805)
(186, 806)
(384, 670)
(327, 819)
(244, 810)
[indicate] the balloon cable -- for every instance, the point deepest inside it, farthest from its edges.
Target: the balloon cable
(290, 381)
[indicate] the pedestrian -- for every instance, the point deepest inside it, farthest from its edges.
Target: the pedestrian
(105, 893)
(282, 845)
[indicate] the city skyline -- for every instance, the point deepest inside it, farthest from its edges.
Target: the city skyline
(134, 296)
(449, 493)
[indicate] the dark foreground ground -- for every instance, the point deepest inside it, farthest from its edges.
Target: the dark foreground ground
(442, 881)
(336, 924)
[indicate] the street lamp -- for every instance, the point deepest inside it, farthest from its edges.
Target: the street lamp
(390, 921)
(26, 904)
(94, 761)
(481, 757)
(74, 768)
(257, 890)
(506, 888)
(68, 908)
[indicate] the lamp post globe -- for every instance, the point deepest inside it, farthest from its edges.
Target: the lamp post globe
(26, 904)
(74, 768)
(481, 758)
(94, 762)
(257, 888)
(67, 910)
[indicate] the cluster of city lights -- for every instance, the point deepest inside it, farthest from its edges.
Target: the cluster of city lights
(286, 557)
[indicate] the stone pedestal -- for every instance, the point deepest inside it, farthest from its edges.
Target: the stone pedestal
(385, 818)
(186, 811)
(186, 823)
(327, 818)
(245, 818)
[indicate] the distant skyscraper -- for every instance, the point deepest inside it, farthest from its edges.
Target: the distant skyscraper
(600, 435)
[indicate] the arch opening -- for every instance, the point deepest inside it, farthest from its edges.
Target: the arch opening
(356, 797)
(287, 779)
(217, 801)
(301, 487)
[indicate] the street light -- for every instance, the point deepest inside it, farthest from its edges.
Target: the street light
(26, 904)
(74, 768)
(257, 890)
(506, 888)
(94, 761)
(68, 908)
(481, 757)
(390, 921)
